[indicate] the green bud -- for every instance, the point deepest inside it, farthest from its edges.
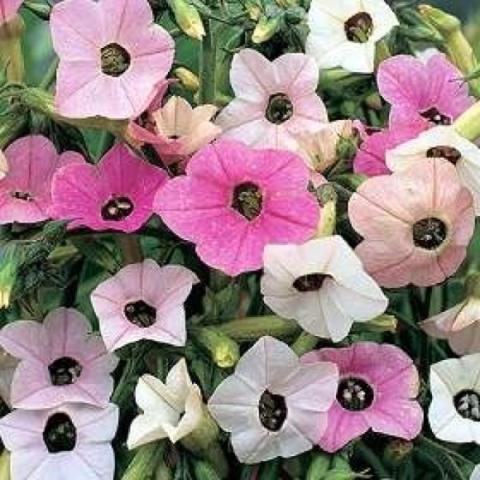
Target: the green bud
(11, 54)
(187, 18)
(5, 466)
(40, 9)
(224, 351)
(187, 78)
(10, 260)
(319, 467)
(254, 9)
(266, 28)
(381, 324)
(468, 123)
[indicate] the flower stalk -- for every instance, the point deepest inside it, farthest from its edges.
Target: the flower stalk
(468, 124)
(144, 463)
(11, 55)
(208, 64)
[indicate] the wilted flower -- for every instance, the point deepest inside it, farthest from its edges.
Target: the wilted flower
(143, 301)
(377, 390)
(61, 361)
(234, 200)
(272, 404)
(274, 101)
(343, 33)
(322, 285)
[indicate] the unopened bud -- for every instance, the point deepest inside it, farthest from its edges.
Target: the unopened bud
(5, 466)
(187, 78)
(187, 18)
(11, 55)
(254, 9)
(9, 264)
(266, 28)
(224, 351)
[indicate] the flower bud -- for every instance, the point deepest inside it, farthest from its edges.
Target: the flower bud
(254, 9)
(224, 351)
(381, 324)
(9, 265)
(187, 78)
(11, 55)
(5, 466)
(266, 28)
(468, 123)
(295, 15)
(327, 198)
(187, 18)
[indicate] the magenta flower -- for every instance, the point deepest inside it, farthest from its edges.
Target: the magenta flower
(377, 389)
(234, 200)
(274, 100)
(70, 442)
(116, 194)
(112, 57)
(60, 361)
(8, 9)
(416, 224)
(143, 301)
(422, 94)
(25, 191)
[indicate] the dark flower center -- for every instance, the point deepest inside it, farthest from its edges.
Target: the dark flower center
(272, 411)
(435, 116)
(310, 282)
(60, 434)
(115, 60)
(140, 314)
(444, 151)
(19, 195)
(247, 200)
(117, 208)
(279, 108)
(64, 371)
(359, 28)
(429, 233)
(467, 404)
(354, 394)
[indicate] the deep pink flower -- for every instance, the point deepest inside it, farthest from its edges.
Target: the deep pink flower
(274, 101)
(112, 57)
(143, 301)
(8, 9)
(69, 442)
(377, 387)
(25, 191)
(116, 194)
(60, 361)
(234, 200)
(416, 224)
(422, 94)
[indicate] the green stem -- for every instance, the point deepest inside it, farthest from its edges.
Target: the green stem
(11, 54)
(50, 74)
(131, 248)
(208, 57)
(468, 123)
(304, 343)
(372, 460)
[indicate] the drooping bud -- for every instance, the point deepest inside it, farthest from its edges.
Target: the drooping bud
(224, 351)
(187, 78)
(187, 18)
(468, 123)
(266, 28)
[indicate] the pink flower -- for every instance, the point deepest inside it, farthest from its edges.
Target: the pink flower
(422, 94)
(8, 9)
(25, 191)
(143, 301)
(116, 194)
(60, 361)
(377, 387)
(416, 224)
(371, 156)
(235, 200)
(274, 100)
(112, 57)
(69, 442)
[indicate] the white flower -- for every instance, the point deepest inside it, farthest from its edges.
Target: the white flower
(322, 285)
(441, 142)
(172, 409)
(454, 413)
(343, 33)
(476, 473)
(273, 405)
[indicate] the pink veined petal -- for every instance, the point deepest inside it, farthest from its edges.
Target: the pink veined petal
(25, 339)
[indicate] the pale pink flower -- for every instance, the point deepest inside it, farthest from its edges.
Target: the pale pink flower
(8, 9)
(25, 191)
(117, 193)
(234, 200)
(143, 301)
(8, 364)
(272, 404)
(416, 224)
(61, 361)
(422, 94)
(69, 442)
(377, 390)
(274, 101)
(112, 57)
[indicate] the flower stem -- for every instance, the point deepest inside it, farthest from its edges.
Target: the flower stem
(144, 463)
(50, 74)
(468, 123)
(372, 460)
(11, 49)
(304, 343)
(208, 57)
(131, 248)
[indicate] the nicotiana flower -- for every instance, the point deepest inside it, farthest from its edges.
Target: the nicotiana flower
(8, 364)
(321, 149)
(377, 389)
(8, 9)
(60, 361)
(234, 200)
(441, 142)
(343, 33)
(422, 95)
(272, 404)
(112, 57)
(177, 130)
(143, 301)
(71, 441)
(172, 409)
(416, 224)
(454, 413)
(322, 285)
(25, 189)
(274, 101)
(116, 194)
